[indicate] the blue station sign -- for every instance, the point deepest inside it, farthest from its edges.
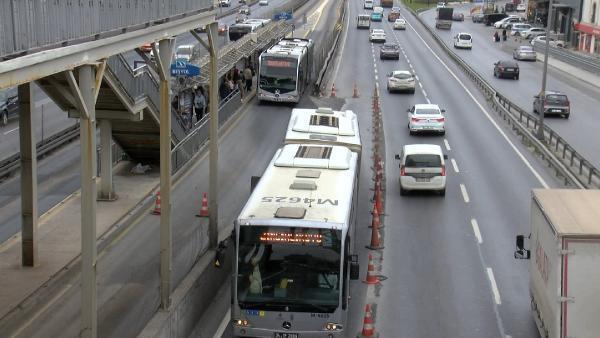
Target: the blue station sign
(184, 68)
(282, 16)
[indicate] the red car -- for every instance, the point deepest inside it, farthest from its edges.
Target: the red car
(146, 48)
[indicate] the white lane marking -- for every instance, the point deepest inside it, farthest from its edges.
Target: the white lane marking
(377, 86)
(512, 145)
(495, 290)
(376, 78)
(10, 131)
(475, 226)
(223, 324)
(447, 145)
(464, 192)
(421, 85)
(375, 70)
(417, 77)
(454, 165)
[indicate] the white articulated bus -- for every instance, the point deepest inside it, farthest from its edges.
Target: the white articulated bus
(285, 70)
(324, 126)
(294, 245)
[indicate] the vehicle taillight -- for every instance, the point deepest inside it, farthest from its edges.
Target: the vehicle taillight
(441, 119)
(414, 119)
(402, 173)
(568, 103)
(443, 173)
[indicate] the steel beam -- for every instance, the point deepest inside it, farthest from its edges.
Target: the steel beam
(99, 76)
(29, 207)
(164, 58)
(79, 100)
(35, 66)
(106, 169)
(89, 315)
(213, 136)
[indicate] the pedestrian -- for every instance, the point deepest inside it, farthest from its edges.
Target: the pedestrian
(223, 90)
(496, 36)
(248, 78)
(504, 34)
(175, 103)
(199, 103)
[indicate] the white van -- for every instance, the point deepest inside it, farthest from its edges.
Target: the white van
(184, 52)
(368, 4)
(422, 167)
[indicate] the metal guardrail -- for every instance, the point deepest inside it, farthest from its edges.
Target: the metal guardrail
(27, 25)
(566, 161)
(43, 148)
(588, 63)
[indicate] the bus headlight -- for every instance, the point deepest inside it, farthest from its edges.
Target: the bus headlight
(333, 327)
(240, 322)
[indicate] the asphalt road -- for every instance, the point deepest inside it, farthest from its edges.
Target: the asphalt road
(48, 120)
(579, 130)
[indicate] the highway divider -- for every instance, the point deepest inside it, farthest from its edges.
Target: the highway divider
(567, 163)
(322, 56)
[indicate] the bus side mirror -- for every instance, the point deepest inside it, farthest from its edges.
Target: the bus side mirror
(253, 182)
(354, 267)
(521, 252)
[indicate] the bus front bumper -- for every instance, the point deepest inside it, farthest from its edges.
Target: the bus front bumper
(263, 333)
(276, 98)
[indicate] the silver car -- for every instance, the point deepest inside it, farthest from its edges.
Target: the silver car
(524, 53)
(426, 118)
(401, 80)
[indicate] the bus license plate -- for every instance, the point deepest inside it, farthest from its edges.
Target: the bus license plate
(286, 335)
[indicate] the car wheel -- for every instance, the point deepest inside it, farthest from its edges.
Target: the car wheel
(534, 110)
(412, 91)
(567, 116)
(442, 192)
(403, 192)
(4, 118)
(388, 89)
(517, 77)
(495, 75)
(443, 133)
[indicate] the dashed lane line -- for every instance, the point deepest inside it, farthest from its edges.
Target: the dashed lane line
(464, 192)
(223, 324)
(495, 290)
(475, 227)
(454, 165)
(447, 145)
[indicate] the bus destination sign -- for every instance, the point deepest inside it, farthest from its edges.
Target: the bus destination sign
(293, 238)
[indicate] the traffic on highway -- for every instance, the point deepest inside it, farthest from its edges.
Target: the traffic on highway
(406, 188)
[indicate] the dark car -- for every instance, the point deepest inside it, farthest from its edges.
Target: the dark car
(477, 17)
(458, 16)
(389, 51)
(510, 7)
(506, 68)
(553, 103)
(9, 105)
(489, 19)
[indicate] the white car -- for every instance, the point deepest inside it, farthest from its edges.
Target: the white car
(263, 3)
(463, 40)
(498, 24)
(401, 80)
(400, 24)
(521, 7)
(510, 22)
(533, 32)
(517, 28)
(541, 39)
(441, 5)
(368, 4)
(184, 52)
(422, 167)
(224, 3)
(426, 118)
(377, 35)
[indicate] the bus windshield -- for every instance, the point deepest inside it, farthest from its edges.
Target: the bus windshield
(289, 269)
(278, 73)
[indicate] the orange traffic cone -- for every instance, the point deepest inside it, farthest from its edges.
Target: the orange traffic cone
(333, 90)
(156, 210)
(368, 329)
(355, 91)
(371, 278)
(204, 208)
(375, 240)
(377, 202)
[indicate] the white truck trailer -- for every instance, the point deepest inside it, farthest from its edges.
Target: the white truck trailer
(564, 268)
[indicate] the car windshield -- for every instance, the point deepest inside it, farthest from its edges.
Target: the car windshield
(554, 98)
(399, 20)
(378, 31)
(390, 46)
(289, 269)
(427, 111)
(464, 37)
(525, 49)
(403, 76)
(423, 161)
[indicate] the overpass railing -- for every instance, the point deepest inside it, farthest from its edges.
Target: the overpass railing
(33, 25)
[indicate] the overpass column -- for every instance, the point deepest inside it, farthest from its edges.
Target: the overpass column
(163, 62)
(213, 226)
(29, 207)
(84, 93)
(106, 169)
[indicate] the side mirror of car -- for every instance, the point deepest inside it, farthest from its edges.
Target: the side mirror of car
(443, 110)
(408, 110)
(521, 252)
(445, 156)
(389, 75)
(397, 156)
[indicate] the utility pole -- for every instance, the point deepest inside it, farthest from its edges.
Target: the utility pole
(542, 96)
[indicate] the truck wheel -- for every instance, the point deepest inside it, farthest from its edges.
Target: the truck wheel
(4, 118)
(442, 192)
(403, 192)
